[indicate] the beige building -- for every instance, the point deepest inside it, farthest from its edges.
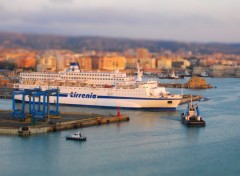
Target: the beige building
(112, 63)
(131, 62)
(164, 63)
(148, 63)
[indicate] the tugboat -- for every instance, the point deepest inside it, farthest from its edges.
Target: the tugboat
(192, 116)
(76, 137)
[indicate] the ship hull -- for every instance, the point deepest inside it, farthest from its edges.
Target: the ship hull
(126, 103)
(108, 98)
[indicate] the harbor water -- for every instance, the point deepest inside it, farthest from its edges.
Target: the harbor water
(151, 143)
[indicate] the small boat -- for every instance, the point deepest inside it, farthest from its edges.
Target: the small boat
(203, 74)
(77, 137)
(187, 74)
(173, 76)
(192, 116)
(204, 99)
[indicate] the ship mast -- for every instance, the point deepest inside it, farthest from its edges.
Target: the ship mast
(139, 74)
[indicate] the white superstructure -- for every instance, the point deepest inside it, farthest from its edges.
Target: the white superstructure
(124, 93)
(75, 74)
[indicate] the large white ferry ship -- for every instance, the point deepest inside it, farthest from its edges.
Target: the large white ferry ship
(109, 90)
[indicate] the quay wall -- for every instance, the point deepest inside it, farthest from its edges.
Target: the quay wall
(18, 128)
(85, 123)
(9, 130)
(15, 130)
(219, 71)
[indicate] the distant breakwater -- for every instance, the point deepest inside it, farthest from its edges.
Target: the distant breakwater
(194, 82)
(178, 85)
(188, 98)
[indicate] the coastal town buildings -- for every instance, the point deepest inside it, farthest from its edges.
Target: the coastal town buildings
(217, 64)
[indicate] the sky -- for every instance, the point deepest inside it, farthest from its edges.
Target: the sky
(177, 20)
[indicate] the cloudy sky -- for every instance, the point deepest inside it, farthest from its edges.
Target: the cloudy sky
(181, 20)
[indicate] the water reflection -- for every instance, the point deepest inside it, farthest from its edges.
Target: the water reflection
(192, 134)
(5, 104)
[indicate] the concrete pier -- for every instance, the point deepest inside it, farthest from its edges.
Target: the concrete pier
(66, 121)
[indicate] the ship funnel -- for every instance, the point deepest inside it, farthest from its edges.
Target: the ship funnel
(74, 67)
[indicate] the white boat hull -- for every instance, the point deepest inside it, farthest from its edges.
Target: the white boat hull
(88, 98)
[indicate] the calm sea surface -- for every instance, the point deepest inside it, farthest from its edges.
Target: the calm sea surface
(151, 143)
